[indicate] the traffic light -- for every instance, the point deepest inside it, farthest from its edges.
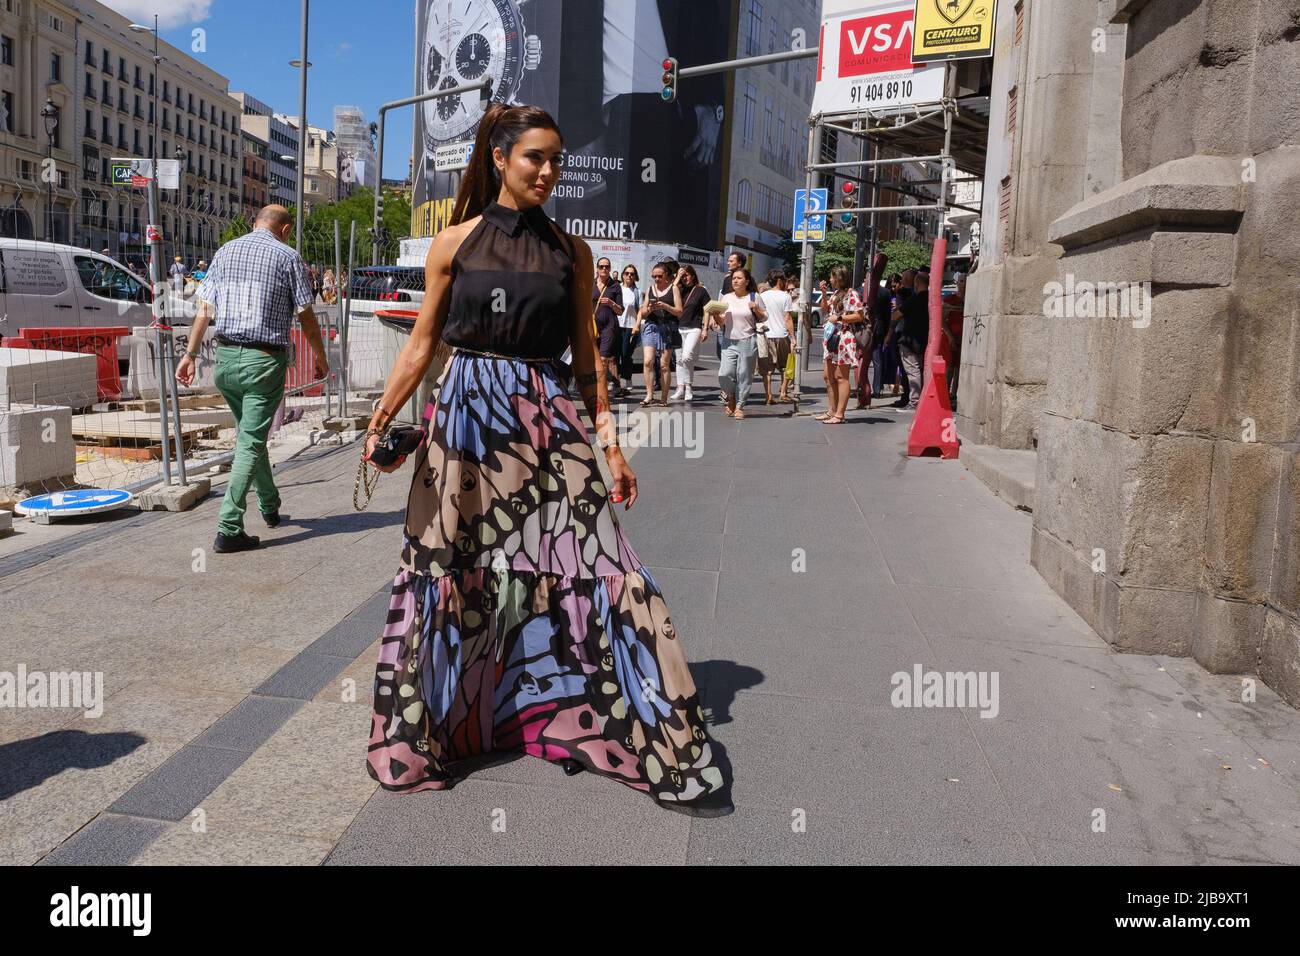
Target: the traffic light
(848, 200)
(669, 92)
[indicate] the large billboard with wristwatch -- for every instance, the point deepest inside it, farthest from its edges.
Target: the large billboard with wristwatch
(635, 167)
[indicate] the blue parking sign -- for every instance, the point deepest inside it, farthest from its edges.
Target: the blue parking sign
(81, 501)
(809, 215)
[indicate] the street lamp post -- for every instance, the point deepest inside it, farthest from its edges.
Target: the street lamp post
(153, 238)
(302, 65)
(50, 114)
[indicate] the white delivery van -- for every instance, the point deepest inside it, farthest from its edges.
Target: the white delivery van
(44, 284)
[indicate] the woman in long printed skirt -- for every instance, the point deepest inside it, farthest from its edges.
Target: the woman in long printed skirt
(521, 619)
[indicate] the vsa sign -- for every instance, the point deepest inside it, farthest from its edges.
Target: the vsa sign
(865, 63)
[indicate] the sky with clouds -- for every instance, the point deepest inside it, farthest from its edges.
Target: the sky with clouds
(362, 54)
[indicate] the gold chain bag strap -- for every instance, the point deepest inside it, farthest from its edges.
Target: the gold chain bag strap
(364, 480)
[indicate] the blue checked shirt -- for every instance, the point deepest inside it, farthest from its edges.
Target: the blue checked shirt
(257, 285)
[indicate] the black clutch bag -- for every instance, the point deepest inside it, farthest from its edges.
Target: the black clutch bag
(395, 443)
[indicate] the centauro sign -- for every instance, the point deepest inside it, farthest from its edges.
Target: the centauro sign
(953, 29)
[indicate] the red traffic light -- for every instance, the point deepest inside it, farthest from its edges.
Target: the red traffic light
(668, 64)
(849, 187)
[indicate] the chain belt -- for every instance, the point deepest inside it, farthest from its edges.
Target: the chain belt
(513, 358)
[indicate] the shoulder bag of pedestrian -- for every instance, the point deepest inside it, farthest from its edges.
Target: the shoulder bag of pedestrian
(831, 330)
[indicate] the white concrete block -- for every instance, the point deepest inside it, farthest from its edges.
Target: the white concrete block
(47, 377)
(36, 444)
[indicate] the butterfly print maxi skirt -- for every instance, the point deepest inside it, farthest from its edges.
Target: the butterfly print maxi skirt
(521, 619)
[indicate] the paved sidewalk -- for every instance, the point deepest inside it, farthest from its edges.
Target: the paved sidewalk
(241, 691)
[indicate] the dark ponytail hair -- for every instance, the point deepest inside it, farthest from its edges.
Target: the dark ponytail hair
(500, 128)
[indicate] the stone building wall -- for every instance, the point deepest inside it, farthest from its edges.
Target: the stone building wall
(1166, 505)
(1041, 159)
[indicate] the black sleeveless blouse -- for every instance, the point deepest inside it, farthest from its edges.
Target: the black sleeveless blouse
(510, 285)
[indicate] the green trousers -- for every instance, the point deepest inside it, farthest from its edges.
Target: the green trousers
(252, 382)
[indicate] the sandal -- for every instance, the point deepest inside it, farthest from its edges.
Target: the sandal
(647, 401)
(771, 400)
(833, 420)
(739, 414)
(664, 402)
(729, 413)
(822, 417)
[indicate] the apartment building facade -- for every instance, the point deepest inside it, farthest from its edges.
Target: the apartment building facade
(255, 181)
(77, 84)
(281, 137)
(321, 169)
(769, 125)
(37, 66)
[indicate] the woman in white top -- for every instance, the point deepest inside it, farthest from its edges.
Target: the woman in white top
(626, 323)
(744, 312)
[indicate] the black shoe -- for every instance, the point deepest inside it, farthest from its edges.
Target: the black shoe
(230, 543)
(901, 403)
(273, 518)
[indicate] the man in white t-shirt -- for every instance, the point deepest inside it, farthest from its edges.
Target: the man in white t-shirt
(779, 334)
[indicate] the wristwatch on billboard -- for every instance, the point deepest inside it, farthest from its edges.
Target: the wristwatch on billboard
(465, 40)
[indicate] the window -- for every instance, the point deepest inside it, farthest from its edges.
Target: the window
(6, 51)
(755, 28)
(135, 141)
(138, 84)
(90, 125)
(108, 95)
(101, 278)
(742, 198)
(751, 107)
(106, 62)
(1004, 214)
(90, 87)
(166, 91)
(107, 136)
(137, 112)
(56, 68)
(7, 119)
(90, 53)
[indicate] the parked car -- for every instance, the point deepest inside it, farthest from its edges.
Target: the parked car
(45, 284)
(372, 348)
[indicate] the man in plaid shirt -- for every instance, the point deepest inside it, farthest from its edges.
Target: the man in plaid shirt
(253, 288)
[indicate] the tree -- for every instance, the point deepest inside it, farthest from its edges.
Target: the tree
(905, 255)
(318, 228)
(835, 251)
(237, 227)
(790, 253)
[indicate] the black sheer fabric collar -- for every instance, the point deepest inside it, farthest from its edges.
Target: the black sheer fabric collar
(511, 221)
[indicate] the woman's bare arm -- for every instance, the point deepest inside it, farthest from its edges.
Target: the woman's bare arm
(413, 361)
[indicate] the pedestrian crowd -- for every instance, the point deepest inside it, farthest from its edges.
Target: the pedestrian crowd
(874, 345)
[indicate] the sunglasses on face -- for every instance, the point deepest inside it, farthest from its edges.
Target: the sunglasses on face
(602, 267)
